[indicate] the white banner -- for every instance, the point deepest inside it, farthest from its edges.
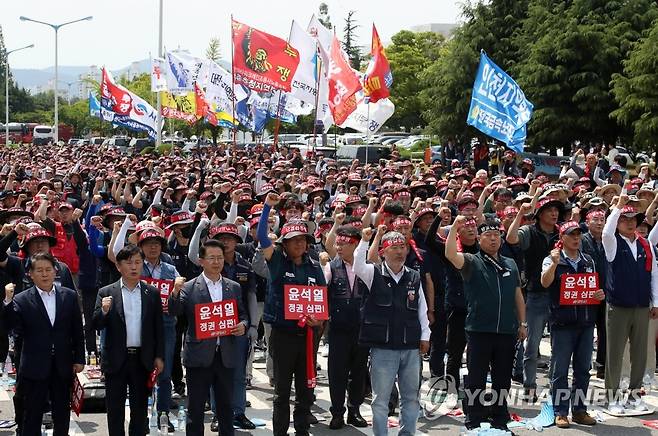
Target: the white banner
(182, 70)
(158, 75)
(220, 93)
(370, 117)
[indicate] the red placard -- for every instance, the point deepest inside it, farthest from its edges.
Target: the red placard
(215, 319)
(579, 289)
(165, 287)
(305, 300)
(77, 395)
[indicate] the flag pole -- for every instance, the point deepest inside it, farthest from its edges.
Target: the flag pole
(277, 123)
(158, 119)
(367, 129)
(317, 93)
(235, 127)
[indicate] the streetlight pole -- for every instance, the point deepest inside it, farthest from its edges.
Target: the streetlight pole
(7, 90)
(158, 119)
(56, 28)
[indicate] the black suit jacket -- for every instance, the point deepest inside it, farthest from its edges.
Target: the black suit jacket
(201, 352)
(115, 351)
(44, 344)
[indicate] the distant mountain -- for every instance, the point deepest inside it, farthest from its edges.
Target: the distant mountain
(38, 80)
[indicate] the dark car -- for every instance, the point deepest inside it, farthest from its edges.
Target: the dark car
(347, 153)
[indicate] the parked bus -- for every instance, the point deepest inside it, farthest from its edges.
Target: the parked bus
(19, 133)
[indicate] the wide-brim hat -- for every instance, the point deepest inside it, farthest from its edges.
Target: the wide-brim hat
(544, 204)
(36, 233)
(631, 211)
(113, 213)
(615, 187)
(291, 230)
(151, 234)
(419, 185)
(640, 204)
(423, 212)
(225, 229)
(318, 192)
(14, 211)
(179, 218)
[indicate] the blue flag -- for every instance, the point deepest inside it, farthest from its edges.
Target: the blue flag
(94, 106)
(498, 106)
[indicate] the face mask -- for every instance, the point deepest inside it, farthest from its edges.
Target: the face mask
(186, 232)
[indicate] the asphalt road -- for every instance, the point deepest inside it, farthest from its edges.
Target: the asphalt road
(93, 422)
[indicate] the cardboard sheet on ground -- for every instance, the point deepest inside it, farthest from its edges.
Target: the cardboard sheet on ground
(629, 412)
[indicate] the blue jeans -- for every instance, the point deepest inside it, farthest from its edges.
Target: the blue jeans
(164, 379)
(536, 313)
(576, 342)
(385, 366)
(240, 375)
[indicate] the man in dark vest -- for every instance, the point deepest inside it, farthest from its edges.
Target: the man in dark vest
(347, 359)
(289, 264)
(572, 328)
(536, 241)
(395, 327)
(632, 297)
(495, 318)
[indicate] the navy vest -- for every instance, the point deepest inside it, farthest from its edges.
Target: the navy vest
(571, 316)
(390, 313)
(628, 281)
(345, 303)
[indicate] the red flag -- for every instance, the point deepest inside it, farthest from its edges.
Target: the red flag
(261, 61)
(378, 78)
(343, 85)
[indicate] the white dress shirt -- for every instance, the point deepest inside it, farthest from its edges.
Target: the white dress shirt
(132, 310)
(50, 301)
(215, 290)
(609, 241)
(366, 272)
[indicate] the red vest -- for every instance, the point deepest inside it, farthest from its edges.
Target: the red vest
(66, 249)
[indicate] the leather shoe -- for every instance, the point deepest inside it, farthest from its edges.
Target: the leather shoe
(311, 419)
(241, 421)
(562, 421)
(214, 425)
(354, 418)
(583, 418)
(336, 423)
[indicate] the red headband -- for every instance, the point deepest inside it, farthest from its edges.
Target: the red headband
(343, 239)
(596, 214)
(391, 242)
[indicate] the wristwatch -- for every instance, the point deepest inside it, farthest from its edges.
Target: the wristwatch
(524, 324)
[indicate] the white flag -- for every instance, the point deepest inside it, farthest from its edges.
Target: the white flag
(317, 30)
(158, 75)
(221, 94)
(182, 71)
(304, 81)
(371, 119)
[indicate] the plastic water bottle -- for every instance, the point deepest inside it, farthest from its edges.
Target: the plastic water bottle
(92, 359)
(182, 418)
(153, 420)
(164, 424)
(646, 383)
(624, 384)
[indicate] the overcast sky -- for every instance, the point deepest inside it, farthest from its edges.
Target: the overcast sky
(123, 31)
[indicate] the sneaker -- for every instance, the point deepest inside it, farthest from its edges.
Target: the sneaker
(562, 421)
(616, 408)
(337, 422)
(583, 418)
(175, 395)
(637, 405)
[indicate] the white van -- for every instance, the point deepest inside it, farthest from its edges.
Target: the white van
(43, 135)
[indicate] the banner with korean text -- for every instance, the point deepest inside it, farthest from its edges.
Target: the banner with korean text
(215, 319)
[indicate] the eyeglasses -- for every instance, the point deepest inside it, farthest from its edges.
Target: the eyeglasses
(213, 259)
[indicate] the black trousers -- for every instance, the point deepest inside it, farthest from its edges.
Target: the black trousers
(200, 380)
(36, 393)
(485, 351)
(348, 370)
(133, 376)
(438, 343)
(177, 368)
(288, 351)
(455, 343)
(19, 397)
(601, 336)
(88, 304)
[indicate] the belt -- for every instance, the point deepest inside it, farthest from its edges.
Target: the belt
(133, 350)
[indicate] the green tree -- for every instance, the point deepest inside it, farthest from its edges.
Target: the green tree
(409, 55)
(350, 44)
(635, 91)
(493, 27)
(77, 116)
(573, 49)
(323, 15)
(213, 52)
